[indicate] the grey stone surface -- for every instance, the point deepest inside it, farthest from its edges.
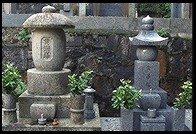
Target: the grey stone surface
(178, 123)
(113, 123)
(150, 101)
(146, 75)
(65, 124)
(89, 112)
(16, 54)
(178, 27)
(127, 118)
(54, 20)
(48, 110)
(147, 36)
(166, 112)
(126, 23)
(152, 124)
(47, 82)
(9, 101)
(77, 116)
(48, 49)
(9, 116)
(62, 102)
(146, 53)
(17, 19)
(110, 124)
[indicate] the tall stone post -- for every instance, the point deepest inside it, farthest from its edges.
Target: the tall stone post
(47, 82)
(132, 10)
(89, 112)
(82, 9)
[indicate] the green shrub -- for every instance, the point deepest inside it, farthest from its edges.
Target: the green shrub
(11, 80)
(162, 10)
(125, 95)
(184, 97)
(77, 84)
(24, 35)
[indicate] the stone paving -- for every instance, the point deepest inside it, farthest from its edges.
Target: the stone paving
(113, 123)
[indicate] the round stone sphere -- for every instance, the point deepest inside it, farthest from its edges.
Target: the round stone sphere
(150, 101)
(147, 53)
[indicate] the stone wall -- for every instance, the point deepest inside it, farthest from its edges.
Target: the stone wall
(101, 44)
(111, 57)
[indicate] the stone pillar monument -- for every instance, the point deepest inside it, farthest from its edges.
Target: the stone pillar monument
(153, 113)
(47, 82)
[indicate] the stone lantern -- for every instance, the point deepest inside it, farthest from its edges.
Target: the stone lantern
(48, 51)
(146, 71)
(153, 104)
(89, 112)
(47, 82)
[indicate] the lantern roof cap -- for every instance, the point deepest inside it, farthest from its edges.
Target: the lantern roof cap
(147, 35)
(48, 19)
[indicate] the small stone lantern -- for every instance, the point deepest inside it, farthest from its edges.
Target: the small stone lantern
(89, 112)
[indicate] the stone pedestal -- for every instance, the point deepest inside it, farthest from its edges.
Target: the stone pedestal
(178, 116)
(9, 116)
(47, 82)
(61, 102)
(166, 112)
(126, 119)
(65, 124)
(152, 124)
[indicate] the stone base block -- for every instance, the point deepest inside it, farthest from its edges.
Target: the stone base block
(9, 116)
(165, 112)
(65, 124)
(152, 124)
(89, 114)
(77, 116)
(126, 119)
(48, 110)
(178, 119)
(47, 82)
(61, 102)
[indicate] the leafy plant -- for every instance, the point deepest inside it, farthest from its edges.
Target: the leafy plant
(99, 59)
(24, 35)
(184, 97)
(11, 80)
(77, 84)
(163, 32)
(125, 95)
(154, 9)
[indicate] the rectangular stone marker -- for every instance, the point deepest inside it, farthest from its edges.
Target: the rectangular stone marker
(152, 124)
(146, 75)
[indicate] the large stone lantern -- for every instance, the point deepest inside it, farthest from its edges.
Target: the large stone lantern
(153, 104)
(49, 52)
(47, 82)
